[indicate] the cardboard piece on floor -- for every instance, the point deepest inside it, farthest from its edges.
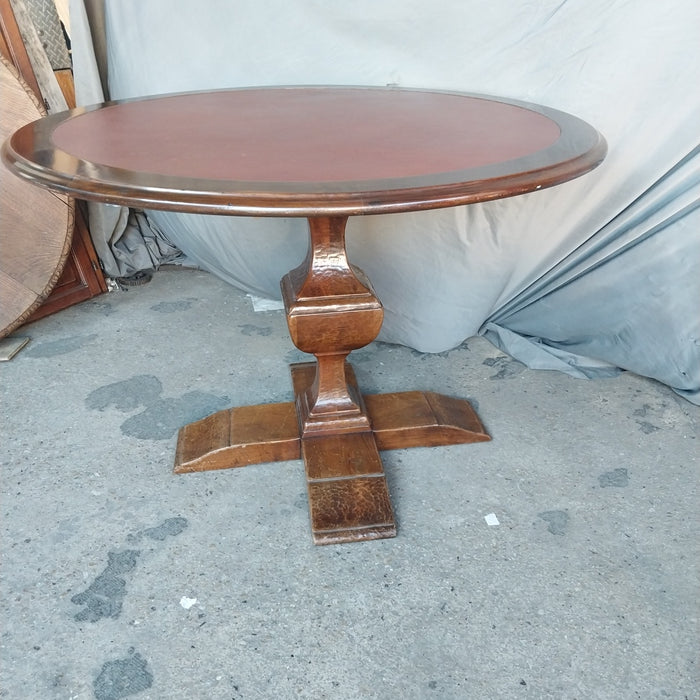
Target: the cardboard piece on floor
(9, 347)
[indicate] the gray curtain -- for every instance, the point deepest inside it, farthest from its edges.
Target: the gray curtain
(590, 277)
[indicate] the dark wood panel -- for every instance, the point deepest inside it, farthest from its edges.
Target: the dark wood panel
(82, 276)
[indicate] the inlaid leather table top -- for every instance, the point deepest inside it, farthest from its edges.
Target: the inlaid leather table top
(305, 150)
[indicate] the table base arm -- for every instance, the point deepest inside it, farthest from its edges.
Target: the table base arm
(348, 493)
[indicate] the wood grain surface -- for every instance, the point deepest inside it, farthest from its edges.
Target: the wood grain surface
(35, 225)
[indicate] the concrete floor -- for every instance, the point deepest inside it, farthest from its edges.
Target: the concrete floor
(120, 579)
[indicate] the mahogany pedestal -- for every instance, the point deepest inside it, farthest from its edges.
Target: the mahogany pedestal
(324, 153)
(331, 310)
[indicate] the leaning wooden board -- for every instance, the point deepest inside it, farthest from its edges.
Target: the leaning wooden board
(36, 225)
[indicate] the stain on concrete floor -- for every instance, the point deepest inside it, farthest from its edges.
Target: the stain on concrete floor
(170, 307)
(161, 417)
(126, 395)
(123, 678)
(617, 477)
(506, 367)
(105, 595)
(557, 521)
(60, 347)
(168, 528)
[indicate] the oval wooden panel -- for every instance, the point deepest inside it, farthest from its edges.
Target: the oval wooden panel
(36, 226)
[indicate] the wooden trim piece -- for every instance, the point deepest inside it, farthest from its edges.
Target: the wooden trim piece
(13, 47)
(82, 276)
(43, 72)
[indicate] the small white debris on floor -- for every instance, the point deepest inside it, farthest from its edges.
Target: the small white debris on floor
(491, 519)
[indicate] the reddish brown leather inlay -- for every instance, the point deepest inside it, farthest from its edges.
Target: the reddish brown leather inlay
(306, 135)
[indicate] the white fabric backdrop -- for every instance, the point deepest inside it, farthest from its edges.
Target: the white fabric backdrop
(590, 276)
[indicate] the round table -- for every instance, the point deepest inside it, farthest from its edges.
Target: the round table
(325, 153)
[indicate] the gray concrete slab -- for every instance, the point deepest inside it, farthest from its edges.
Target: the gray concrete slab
(120, 579)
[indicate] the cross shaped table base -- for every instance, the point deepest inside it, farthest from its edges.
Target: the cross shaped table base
(331, 310)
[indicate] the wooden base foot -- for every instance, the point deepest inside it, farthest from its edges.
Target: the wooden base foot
(237, 437)
(422, 419)
(348, 494)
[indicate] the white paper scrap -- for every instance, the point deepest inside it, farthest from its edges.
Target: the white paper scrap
(260, 304)
(187, 603)
(491, 519)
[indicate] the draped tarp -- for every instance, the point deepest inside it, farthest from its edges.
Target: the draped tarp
(125, 241)
(596, 274)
